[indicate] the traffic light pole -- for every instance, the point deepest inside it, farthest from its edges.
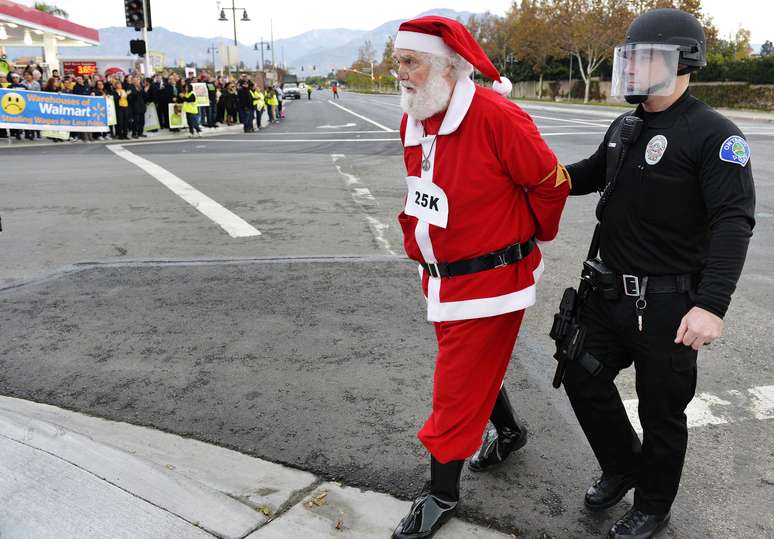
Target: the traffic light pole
(145, 38)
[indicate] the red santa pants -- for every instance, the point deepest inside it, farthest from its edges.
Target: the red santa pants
(473, 356)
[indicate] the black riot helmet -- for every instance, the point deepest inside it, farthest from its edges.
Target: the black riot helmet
(669, 26)
(659, 45)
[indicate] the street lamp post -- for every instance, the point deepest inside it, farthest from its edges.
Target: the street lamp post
(262, 44)
(233, 10)
(213, 49)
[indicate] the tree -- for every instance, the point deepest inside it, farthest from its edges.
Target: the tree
(386, 65)
(366, 55)
(591, 30)
(532, 36)
(491, 32)
(742, 43)
(51, 10)
(767, 48)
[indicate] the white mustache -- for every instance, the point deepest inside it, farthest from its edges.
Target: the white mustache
(406, 84)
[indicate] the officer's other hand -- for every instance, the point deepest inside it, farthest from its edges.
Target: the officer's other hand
(699, 327)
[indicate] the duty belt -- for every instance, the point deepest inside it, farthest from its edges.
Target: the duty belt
(496, 259)
(630, 285)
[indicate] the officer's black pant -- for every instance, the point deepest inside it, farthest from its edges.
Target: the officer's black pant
(665, 384)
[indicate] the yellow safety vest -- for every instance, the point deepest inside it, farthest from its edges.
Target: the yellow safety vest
(258, 101)
(190, 106)
(272, 100)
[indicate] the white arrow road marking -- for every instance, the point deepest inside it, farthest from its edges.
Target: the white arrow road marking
(730, 406)
(336, 126)
(228, 221)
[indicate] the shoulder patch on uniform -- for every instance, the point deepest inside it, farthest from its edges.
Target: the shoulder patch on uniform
(735, 150)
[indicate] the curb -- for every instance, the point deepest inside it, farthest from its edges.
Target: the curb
(92, 477)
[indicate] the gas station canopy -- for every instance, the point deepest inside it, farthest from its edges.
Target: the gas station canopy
(22, 26)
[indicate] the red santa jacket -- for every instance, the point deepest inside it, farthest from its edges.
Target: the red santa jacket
(494, 182)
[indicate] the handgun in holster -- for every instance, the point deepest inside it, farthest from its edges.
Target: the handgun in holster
(568, 334)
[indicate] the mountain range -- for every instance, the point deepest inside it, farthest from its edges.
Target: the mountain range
(313, 51)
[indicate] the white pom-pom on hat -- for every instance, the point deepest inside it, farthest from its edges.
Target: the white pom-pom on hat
(503, 87)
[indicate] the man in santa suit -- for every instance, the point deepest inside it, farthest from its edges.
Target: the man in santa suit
(483, 190)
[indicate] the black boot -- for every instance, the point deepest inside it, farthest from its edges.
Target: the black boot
(436, 504)
(638, 525)
(506, 437)
(608, 490)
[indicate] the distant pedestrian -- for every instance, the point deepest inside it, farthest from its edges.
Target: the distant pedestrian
(309, 93)
(245, 100)
(188, 99)
(335, 90)
(122, 110)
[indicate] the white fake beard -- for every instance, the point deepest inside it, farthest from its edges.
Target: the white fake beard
(428, 100)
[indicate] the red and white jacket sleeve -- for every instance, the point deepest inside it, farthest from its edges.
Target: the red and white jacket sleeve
(530, 163)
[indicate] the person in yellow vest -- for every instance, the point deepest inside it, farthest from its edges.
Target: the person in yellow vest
(4, 81)
(188, 99)
(259, 103)
(271, 103)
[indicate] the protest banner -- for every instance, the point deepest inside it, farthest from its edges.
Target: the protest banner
(43, 111)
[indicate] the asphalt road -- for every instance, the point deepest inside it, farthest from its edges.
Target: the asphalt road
(307, 344)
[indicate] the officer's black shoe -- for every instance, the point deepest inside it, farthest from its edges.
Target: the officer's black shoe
(638, 525)
(496, 447)
(428, 513)
(608, 490)
(437, 503)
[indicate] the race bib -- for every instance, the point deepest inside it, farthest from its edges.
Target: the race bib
(427, 202)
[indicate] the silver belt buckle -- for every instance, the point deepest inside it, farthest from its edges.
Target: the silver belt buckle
(500, 257)
(631, 285)
(432, 269)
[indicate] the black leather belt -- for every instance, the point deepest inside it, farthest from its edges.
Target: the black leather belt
(496, 259)
(631, 285)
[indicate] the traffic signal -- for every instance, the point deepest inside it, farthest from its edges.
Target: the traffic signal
(137, 46)
(137, 16)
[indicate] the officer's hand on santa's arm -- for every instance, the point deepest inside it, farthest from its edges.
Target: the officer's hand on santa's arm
(699, 327)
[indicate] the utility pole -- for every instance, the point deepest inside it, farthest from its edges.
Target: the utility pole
(271, 29)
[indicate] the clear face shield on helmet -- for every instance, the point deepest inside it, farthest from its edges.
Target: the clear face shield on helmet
(642, 70)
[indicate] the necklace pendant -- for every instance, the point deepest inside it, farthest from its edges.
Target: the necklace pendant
(426, 165)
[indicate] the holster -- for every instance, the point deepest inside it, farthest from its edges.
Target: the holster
(601, 279)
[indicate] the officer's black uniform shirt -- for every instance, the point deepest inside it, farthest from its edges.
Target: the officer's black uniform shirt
(688, 212)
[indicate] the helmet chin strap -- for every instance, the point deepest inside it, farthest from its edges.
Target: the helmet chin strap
(636, 99)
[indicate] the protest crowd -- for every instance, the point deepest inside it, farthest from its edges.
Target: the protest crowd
(180, 103)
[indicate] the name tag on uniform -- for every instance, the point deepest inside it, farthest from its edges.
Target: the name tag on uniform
(427, 202)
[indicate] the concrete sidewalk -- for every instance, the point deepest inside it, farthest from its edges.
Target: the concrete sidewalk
(64, 474)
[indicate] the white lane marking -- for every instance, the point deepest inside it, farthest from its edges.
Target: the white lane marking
(380, 126)
(258, 140)
(382, 103)
(763, 398)
(336, 126)
(365, 200)
(581, 122)
(730, 406)
(575, 133)
(228, 221)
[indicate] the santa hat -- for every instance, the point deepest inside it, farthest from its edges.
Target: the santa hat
(442, 36)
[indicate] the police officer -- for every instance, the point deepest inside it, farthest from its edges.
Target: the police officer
(676, 216)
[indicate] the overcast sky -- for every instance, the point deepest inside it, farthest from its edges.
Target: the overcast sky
(199, 17)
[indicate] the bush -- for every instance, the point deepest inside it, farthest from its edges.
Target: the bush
(752, 70)
(737, 96)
